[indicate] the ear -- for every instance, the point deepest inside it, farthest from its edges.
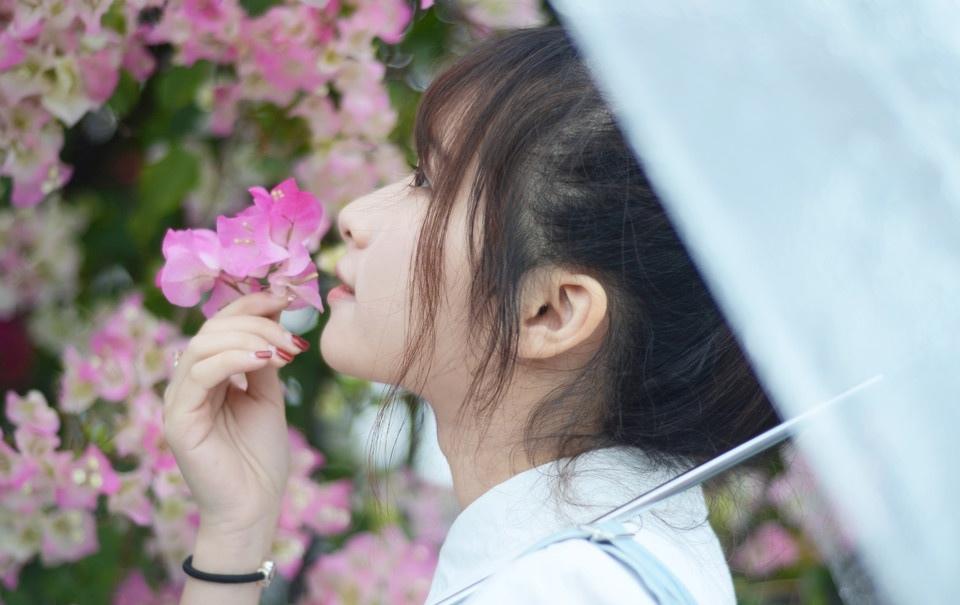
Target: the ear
(561, 310)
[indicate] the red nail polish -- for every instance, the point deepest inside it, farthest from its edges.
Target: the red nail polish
(301, 342)
(266, 354)
(284, 355)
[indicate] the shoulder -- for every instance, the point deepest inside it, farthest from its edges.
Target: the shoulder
(565, 573)
(577, 571)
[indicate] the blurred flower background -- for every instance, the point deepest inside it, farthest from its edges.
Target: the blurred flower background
(122, 118)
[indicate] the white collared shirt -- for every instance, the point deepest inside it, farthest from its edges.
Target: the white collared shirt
(514, 514)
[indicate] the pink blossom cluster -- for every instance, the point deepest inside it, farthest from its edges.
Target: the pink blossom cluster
(39, 256)
(486, 16)
(269, 241)
(428, 508)
(48, 496)
(372, 568)
(299, 56)
(134, 590)
(800, 501)
(57, 61)
(769, 548)
(294, 48)
(803, 524)
(295, 56)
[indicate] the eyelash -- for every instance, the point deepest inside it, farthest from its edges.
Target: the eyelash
(419, 178)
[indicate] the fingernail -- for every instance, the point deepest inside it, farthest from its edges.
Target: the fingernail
(263, 354)
(284, 355)
(300, 342)
(290, 298)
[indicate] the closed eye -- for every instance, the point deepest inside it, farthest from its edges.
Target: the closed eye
(420, 178)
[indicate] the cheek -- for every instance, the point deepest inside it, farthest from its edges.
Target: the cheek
(365, 337)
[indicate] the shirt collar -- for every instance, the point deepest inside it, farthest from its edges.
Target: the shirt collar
(514, 514)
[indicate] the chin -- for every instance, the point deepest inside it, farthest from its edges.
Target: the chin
(340, 353)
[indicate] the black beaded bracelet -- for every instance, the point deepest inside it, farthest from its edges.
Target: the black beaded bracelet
(264, 575)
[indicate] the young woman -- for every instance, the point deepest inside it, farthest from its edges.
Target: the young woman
(526, 283)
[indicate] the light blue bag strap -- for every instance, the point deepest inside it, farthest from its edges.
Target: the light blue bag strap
(616, 539)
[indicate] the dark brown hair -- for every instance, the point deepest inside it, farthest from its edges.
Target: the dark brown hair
(556, 184)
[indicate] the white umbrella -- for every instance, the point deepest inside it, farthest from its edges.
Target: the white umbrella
(809, 154)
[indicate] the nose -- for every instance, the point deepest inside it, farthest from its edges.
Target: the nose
(359, 220)
(348, 223)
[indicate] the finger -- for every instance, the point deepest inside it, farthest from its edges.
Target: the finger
(206, 344)
(268, 329)
(257, 303)
(209, 373)
(263, 302)
(259, 382)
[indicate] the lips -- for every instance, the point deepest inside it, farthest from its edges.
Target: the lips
(343, 280)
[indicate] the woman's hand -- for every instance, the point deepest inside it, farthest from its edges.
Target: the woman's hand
(231, 445)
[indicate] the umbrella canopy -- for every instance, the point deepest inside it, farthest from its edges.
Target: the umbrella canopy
(809, 155)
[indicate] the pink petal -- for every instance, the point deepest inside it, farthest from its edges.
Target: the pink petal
(223, 294)
(193, 263)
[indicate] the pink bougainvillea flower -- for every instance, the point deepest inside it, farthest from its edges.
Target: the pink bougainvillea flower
(289, 546)
(225, 291)
(134, 590)
(15, 470)
(35, 443)
(79, 384)
(168, 481)
(207, 15)
(68, 535)
(10, 571)
(305, 286)
(769, 548)
(90, 13)
(248, 249)
(32, 411)
(12, 52)
(85, 478)
(371, 568)
(224, 105)
(114, 363)
(330, 507)
(133, 436)
(29, 190)
(138, 61)
(101, 72)
(385, 18)
(293, 217)
(303, 458)
(192, 267)
(268, 243)
(131, 498)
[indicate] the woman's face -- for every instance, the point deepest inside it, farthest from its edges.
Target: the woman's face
(366, 333)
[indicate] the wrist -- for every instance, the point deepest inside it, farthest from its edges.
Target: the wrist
(220, 548)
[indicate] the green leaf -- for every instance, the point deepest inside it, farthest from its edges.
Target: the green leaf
(6, 190)
(177, 87)
(115, 18)
(255, 8)
(162, 188)
(125, 96)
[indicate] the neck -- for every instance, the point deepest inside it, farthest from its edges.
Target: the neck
(477, 469)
